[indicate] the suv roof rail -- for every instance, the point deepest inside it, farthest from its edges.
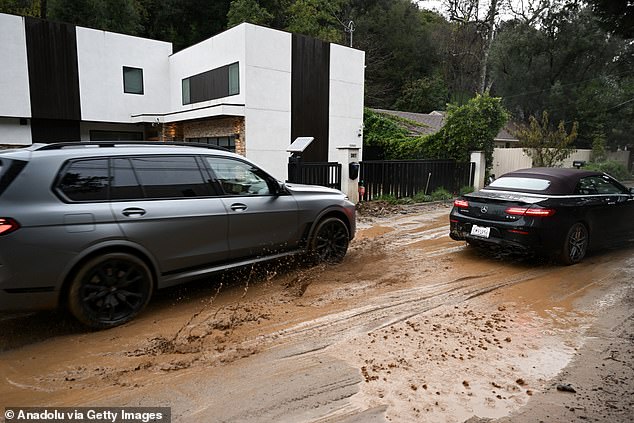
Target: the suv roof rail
(72, 144)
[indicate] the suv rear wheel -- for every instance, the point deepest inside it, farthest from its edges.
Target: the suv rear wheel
(330, 242)
(110, 290)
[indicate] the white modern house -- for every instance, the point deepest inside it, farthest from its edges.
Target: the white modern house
(250, 89)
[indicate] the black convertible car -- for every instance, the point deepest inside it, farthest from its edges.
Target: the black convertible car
(554, 211)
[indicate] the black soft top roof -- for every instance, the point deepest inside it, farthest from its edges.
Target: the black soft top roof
(563, 181)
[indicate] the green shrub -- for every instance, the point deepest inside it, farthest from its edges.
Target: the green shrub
(388, 198)
(612, 168)
(421, 197)
(441, 194)
(467, 189)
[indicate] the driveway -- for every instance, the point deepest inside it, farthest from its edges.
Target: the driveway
(412, 326)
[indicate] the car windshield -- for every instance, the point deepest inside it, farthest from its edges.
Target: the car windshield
(521, 184)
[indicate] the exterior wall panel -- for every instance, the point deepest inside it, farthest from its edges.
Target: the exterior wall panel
(12, 133)
(223, 49)
(346, 98)
(15, 100)
(267, 73)
(310, 90)
(101, 58)
(53, 75)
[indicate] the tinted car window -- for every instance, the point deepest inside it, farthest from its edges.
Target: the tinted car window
(597, 185)
(170, 176)
(238, 178)
(125, 185)
(86, 180)
(9, 169)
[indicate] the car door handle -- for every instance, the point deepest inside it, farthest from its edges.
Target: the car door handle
(238, 207)
(133, 212)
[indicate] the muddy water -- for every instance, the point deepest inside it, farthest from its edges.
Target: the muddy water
(411, 327)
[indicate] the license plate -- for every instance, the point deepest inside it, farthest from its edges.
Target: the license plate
(481, 231)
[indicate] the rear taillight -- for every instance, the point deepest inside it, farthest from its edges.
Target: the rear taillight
(8, 225)
(530, 211)
(463, 204)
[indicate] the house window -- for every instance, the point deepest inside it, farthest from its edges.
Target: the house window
(213, 84)
(234, 79)
(227, 142)
(132, 80)
(186, 95)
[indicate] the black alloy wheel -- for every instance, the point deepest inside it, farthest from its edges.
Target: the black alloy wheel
(575, 245)
(110, 290)
(330, 242)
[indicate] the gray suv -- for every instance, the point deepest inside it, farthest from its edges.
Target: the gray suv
(97, 227)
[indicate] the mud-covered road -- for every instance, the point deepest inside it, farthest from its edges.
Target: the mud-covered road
(411, 327)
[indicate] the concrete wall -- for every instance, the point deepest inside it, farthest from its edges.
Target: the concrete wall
(14, 72)
(268, 99)
(15, 99)
(101, 56)
(223, 49)
(346, 99)
(12, 133)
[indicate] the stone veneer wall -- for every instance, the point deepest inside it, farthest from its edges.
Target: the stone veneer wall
(220, 127)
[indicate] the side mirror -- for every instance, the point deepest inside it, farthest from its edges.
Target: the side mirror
(632, 191)
(278, 188)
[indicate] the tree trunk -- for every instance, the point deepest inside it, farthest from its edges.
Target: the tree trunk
(490, 28)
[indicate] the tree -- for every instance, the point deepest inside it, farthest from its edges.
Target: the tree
(469, 16)
(34, 8)
(383, 136)
(616, 16)
(109, 15)
(316, 18)
(566, 64)
(399, 43)
(547, 147)
(248, 11)
(423, 95)
(469, 127)
(183, 22)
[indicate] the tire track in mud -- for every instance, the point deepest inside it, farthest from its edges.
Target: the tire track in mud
(423, 293)
(389, 309)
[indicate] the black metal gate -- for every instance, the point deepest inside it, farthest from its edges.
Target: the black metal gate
(406, 178)
(325, 174)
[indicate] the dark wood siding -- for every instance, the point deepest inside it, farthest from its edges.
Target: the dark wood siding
(53, 130)
(53, 74)
(310, 85)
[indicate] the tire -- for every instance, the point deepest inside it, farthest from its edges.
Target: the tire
(110, 290)
(575, 244)
(330, 241)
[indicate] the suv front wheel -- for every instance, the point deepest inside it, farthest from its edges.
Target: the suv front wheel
(110, 290)
(330, 242)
